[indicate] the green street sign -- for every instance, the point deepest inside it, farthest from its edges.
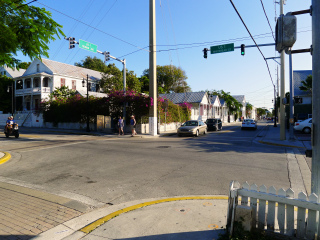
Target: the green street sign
(222, 48)
(87, 46)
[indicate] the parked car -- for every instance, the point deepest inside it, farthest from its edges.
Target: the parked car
(249, 123)
(193, 128)
(214, 124)
(304, 126)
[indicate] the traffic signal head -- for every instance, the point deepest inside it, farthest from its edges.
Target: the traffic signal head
(106, 56)
(286, 32)
(71, 42)
(205, 52)
(242, 49)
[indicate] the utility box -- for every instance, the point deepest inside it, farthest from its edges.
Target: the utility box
(286, 32)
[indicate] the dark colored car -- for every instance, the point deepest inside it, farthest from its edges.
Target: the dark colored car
(214, 124)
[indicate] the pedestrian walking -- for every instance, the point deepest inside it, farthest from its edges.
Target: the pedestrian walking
(133, 126)
(120, 126)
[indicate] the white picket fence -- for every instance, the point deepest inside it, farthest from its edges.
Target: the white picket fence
(277, 212)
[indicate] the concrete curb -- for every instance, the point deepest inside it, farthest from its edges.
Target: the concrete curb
(6, 157)
(86, 223)
(278, 144)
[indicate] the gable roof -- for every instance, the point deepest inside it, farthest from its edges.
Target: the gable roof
(239, 98)
(298, 77)
(222, 102)
(13, 73)
(190, 97)
(83, 93)
(64, 69)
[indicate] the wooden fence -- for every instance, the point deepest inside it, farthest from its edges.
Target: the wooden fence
(276, 212)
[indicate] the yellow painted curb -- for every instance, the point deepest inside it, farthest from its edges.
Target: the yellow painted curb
(5, 158)
(99, 222)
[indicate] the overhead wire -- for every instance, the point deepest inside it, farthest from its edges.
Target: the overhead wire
(264, 10)
(254, 42)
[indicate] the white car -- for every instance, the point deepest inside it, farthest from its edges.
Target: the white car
(249, 123)
(304, 126)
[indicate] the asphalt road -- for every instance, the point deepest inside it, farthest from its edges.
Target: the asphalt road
(121, 169)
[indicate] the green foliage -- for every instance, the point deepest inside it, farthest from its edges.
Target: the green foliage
(248, 108)
(92, 63)
(5, 97)
(62, 93)
(24, 65)
(261, 111)
(171, 77)
(307, 84)
(73, 108)
(233, 105)
(25, 28)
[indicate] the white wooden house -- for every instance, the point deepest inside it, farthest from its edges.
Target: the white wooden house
(11, 73)
(215, 107)
(242, 100)
(44, 76)
(200, 103)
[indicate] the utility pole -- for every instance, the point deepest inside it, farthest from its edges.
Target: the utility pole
(315, 173)
(282, 90)
(152, 69)
(291, 133)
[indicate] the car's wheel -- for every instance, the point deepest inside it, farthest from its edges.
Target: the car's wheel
(197, 133)
(17, 135)
(179, 135)
(7, 135)
(307, 130)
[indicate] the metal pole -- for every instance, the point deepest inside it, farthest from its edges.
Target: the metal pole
(315, 172)
(124, 91)
(152, 69)
(88, 128)
(282, 90)
(12, 98)
(275, 107)
(291, 135)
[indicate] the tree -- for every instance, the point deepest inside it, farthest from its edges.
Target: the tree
(5, 96)
(307, 84)
(233, 105)
(62, 93)
(172, 78)
(248, 108)
(92, 63)
(261, 111)
(25, 28)
(24, 65)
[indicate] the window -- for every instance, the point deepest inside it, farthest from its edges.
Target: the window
(46, 82)
(97, 88)
(36, 82)
(74, 85)
(19, 84)
(201, 109)
(63, 82)
(38, 67)
(28, 83)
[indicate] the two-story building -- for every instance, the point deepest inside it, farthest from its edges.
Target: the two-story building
(43, 76)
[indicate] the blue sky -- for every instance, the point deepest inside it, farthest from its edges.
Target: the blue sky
(184, 28)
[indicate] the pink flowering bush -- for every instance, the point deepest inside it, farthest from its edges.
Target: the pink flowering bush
(74, 108)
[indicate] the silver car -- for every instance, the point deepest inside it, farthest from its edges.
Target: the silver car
(192, 128)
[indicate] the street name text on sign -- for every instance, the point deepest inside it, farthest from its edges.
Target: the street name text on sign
(87, 46)
(222, 48)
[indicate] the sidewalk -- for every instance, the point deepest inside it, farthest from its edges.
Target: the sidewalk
(39, 215)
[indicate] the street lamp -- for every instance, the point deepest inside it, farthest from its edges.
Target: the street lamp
(8, 90)
(83, 85)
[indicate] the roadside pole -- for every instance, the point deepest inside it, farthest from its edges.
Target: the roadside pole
(315, 172)
(124, 91)
(291, 134)
(282, 89)
(152, 69)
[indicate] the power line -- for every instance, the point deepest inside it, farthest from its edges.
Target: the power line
(253, 41)
(95, 28)
(267, 19)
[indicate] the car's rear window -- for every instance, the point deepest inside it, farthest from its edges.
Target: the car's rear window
(211, 121)
(248, 120)
(191, 123)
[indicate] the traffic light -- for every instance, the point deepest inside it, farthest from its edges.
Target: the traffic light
(286, 32)
(106, 56)
(71, 42)
(205, 54)
(242, 49)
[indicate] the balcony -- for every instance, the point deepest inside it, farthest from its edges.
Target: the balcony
(32, 91)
